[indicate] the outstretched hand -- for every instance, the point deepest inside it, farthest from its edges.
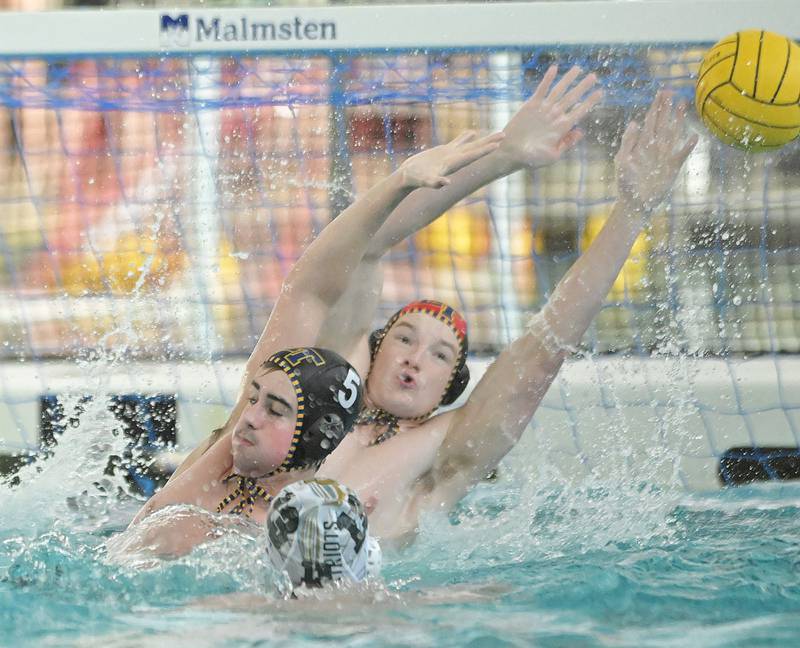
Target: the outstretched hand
(545, 126)
(651, 155)
(431, 167)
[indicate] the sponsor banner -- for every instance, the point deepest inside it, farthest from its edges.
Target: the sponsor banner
(396, 27)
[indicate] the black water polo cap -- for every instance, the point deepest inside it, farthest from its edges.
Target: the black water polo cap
(329, 395)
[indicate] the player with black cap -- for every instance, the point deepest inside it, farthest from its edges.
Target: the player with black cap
(404, 457)
(300, 406)
(297, 404)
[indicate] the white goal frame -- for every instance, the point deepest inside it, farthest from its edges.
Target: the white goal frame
(384, 28)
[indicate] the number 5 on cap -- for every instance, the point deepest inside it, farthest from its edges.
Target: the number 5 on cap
(351, 384)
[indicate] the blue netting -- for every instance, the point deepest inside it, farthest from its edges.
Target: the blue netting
(169, 84)
(155, 205)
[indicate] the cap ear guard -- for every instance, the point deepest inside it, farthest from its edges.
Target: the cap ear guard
(319, 439)
(375, 339)
(457, 385)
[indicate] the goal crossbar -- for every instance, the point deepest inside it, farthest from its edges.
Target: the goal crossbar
(386, 28)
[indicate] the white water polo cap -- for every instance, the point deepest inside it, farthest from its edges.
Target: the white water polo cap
(317, 532)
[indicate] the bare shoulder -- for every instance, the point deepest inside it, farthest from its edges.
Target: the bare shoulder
(192, 458)
(438, 425)
(432, 433)
(195, 484)
(448, 477)
(428, 441)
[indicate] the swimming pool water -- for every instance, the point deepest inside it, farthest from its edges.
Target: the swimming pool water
(516, 565)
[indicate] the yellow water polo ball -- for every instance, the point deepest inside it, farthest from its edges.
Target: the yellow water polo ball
(748, 90)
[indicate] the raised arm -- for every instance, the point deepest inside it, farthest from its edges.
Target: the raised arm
(538, 134)
(320, 276)
(502, 404)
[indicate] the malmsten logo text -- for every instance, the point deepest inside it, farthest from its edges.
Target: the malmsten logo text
(177, 29)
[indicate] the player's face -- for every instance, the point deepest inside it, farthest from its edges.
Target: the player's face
(413, 366)
(263, 434)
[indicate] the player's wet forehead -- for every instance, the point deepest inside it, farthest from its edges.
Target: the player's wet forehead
(424, 324)
(274, 382)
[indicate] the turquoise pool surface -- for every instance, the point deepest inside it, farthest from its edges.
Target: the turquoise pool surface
(516, 565)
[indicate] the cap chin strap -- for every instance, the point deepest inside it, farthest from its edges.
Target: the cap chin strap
(248, 490)
(383, 419)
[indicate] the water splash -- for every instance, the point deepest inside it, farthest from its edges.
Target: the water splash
(70, 483)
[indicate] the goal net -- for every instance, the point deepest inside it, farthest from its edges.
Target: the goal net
(161, 172)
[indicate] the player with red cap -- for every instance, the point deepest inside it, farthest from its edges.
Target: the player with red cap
(403, 457)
